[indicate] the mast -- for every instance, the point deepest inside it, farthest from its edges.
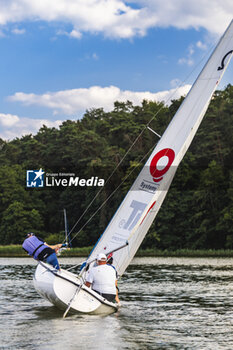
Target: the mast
(67, 234)
(65, 220)
(142, 203)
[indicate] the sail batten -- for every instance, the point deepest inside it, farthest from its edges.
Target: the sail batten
(142, 203)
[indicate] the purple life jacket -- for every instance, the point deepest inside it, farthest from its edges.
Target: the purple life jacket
(33, 246)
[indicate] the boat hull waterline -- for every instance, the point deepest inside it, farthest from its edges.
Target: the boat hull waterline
(59, 287)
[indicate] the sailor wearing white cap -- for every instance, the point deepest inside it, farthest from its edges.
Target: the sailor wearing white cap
(102, 279)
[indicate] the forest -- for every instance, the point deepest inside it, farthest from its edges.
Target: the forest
(196, 214)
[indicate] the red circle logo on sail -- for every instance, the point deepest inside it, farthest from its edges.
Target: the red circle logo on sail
(156, 173)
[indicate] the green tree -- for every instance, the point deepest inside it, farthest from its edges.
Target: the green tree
(17, 221)
(197, 212)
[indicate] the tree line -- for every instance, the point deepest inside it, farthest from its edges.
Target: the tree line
(196, 214)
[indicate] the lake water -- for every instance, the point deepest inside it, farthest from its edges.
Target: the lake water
(167, 303)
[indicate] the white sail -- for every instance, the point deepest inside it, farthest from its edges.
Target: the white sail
(140, 206)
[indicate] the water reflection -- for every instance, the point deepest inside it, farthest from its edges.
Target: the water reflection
(167, 304)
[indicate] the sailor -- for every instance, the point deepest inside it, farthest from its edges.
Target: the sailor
(110, 263)
(102, 279)
(40, 250)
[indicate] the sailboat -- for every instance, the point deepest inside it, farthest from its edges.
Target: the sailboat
(125, 232)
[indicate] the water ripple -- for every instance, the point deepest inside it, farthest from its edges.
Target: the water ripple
(167, 304)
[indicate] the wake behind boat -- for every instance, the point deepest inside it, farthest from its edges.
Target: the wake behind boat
(142, 203)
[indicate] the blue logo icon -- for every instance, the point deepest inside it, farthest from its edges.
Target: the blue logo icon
(35, 178)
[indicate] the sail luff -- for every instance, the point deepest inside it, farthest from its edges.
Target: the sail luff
(140, 206)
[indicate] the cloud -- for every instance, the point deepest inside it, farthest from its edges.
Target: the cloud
(95, 56)
(18, 31)
(188, 60)
(76, 101)
(213, 15)
(120, 18)
(201, 45)
(7, 120)
(13, 126)
(74, 34)
(113, 18)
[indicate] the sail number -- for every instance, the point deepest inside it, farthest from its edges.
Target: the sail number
(158, 171)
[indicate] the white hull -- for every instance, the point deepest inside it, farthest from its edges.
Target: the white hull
(59, 287)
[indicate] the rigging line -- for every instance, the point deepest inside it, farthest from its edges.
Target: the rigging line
(134, 142)
(111, 194)
(114, 170)
(180, 85)
(122, 159)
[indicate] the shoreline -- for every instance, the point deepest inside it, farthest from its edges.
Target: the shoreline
(13, 251)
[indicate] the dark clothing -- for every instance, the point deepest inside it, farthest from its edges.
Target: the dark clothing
(49, 256)
(109, 297)
(45, 253)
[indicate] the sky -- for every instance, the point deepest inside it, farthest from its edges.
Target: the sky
(60, 58)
